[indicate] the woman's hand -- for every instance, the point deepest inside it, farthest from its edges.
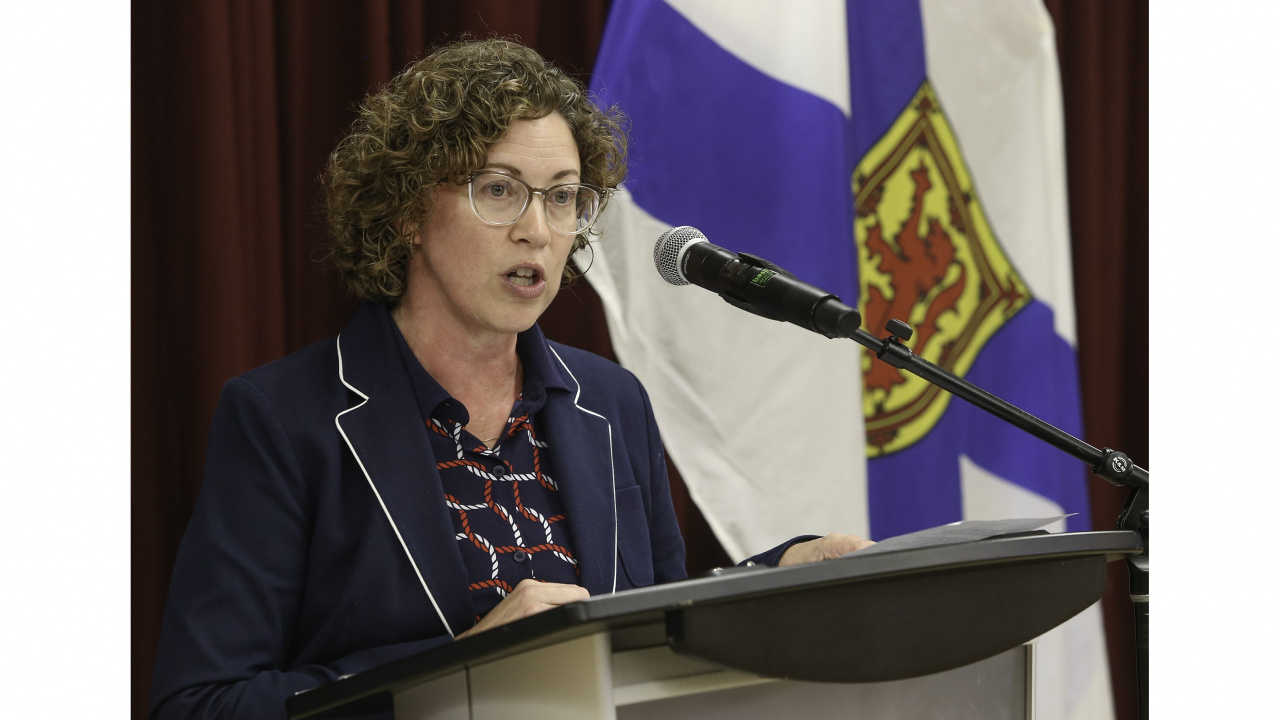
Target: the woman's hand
(824, 548)
(529, 598)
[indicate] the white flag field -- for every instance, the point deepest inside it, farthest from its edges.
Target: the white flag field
(908, 156)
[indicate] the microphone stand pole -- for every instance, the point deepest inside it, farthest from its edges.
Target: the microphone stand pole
(1111, 465)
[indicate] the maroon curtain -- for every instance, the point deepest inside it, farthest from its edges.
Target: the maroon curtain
(236, 105)
(1102, 51)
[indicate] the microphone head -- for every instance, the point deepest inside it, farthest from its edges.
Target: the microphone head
(669, 251)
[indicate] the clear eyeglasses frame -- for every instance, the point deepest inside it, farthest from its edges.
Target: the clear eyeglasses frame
(499, 199)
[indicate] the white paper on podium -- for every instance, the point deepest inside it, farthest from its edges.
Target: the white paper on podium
(958, 532)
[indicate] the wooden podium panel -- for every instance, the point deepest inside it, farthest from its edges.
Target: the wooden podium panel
(936, 627)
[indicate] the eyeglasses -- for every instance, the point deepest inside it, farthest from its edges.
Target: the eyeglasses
(501, 199)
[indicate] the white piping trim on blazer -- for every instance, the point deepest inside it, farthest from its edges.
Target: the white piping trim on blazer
(376, 494)
(613, 480)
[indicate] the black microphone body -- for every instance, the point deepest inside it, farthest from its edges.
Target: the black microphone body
(683, 255)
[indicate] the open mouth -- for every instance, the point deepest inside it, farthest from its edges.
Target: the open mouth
(524, 276)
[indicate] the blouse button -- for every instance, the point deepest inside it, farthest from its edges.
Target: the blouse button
(499, 471)
(519, 556)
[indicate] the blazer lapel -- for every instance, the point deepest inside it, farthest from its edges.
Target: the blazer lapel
(582, 464)
(386, 435)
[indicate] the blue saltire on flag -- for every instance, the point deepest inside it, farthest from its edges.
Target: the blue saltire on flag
(763, 167)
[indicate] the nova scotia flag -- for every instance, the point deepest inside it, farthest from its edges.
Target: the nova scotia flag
(906, 155)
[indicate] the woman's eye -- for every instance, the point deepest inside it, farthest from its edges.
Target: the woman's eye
(497, 190)
(563, 196)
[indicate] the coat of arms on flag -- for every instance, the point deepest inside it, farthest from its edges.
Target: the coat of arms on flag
(927, 256)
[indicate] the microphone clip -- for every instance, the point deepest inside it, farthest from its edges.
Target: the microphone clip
(761, 267)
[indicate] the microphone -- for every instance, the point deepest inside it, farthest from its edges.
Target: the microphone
(684, 256)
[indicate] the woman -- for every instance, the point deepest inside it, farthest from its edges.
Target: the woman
(439, 468)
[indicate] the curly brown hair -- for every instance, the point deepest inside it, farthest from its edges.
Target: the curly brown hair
(435, 122)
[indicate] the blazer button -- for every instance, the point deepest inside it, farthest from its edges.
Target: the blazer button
(519, 556)
(499, 470)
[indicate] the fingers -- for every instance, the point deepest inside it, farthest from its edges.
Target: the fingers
(838, 545)
(828, 547)
(529, 597)
(547, 595)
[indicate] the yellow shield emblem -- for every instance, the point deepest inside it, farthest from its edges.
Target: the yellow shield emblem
(926, 255)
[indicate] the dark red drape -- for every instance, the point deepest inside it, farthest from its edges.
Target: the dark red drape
(1102, 51)
(236, 105)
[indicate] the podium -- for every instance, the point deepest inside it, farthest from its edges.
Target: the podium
(911, 633)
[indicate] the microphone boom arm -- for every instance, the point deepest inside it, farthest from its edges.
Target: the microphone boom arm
(1111, 465)
(684, 256)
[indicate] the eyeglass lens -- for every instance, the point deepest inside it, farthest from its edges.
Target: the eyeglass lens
(501, 200)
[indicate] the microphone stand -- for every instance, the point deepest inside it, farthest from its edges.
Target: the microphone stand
(1111, 465)
(747, 282)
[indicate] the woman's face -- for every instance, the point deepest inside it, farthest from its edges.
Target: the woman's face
(465, 272)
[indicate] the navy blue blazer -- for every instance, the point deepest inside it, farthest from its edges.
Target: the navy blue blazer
(321, 544)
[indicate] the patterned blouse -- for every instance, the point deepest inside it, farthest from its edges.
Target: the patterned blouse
(506, 509)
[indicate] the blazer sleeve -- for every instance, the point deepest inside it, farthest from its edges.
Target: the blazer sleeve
(238, 581)
(771, 556)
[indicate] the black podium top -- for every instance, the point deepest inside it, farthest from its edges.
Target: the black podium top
(884, 616)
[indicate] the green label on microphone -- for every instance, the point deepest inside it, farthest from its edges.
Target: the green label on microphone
(762, 277)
